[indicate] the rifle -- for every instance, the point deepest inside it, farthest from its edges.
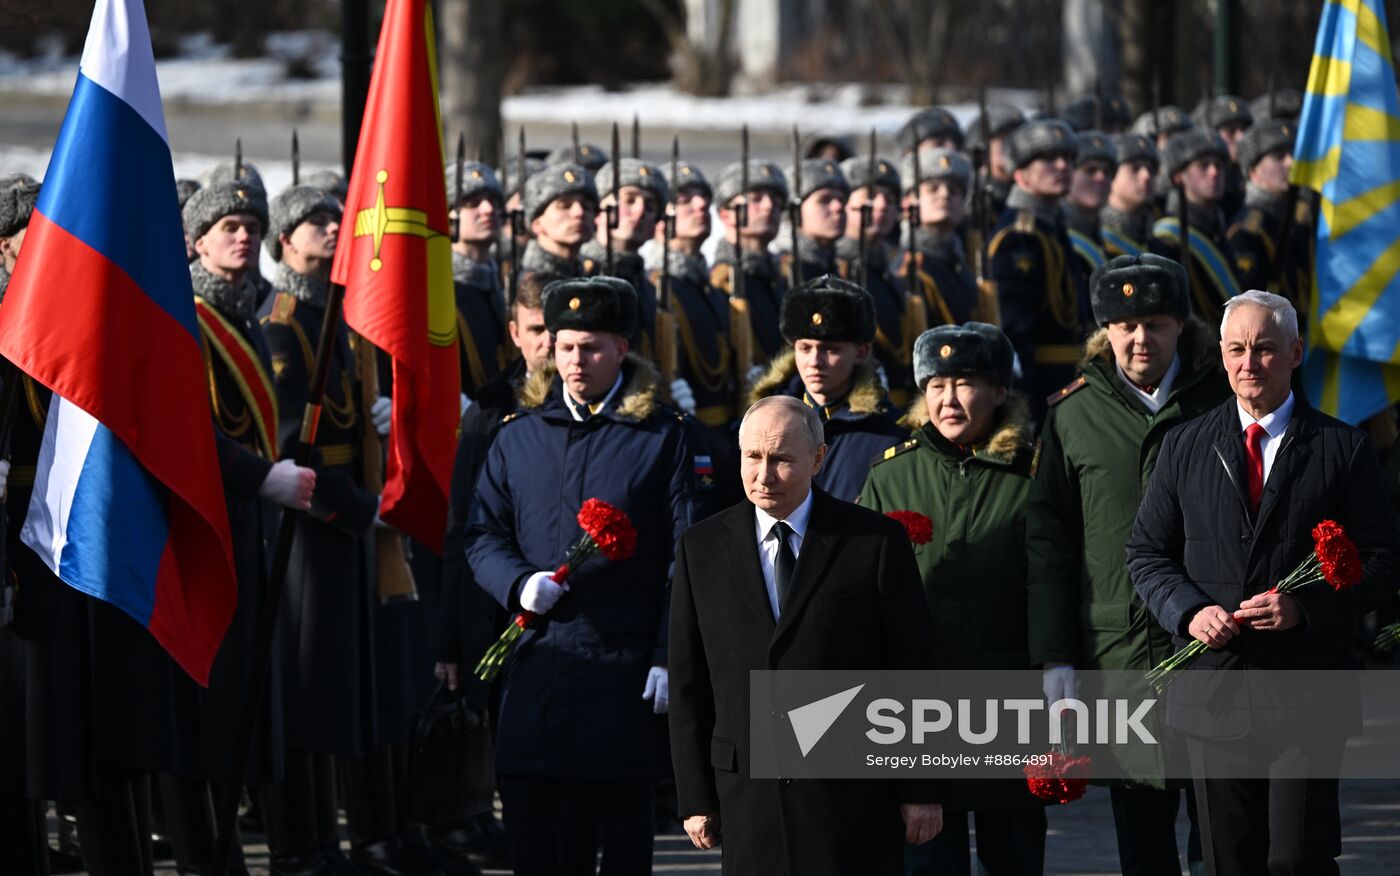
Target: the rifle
(1183, 214)
(455, 214)
(795, 211)
(636, 137)
(664, 345)
(979, 186)
(238, 159)
(867, 211)
(296, 159)
(612, 210)
(517, 219)
(668, 221)
(912, 220)
(740, 329)
(573, 135)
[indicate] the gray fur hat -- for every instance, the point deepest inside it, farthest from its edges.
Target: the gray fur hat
(815, 143)
(590, 157)
(1084, 115)
(1222, 110)
(936, 165)
(18, 195)
(1097, 146)
(1130, 287)
(555, 181)
(687, 175)
(1002, 119)
(828, 308)
(224, 172)
(633, 172)
(329, 182)
(1040, 138)
(1267, 136)
(591, 304)
(477, 178)
(1137, 147)
(1187, 146)
(1288, 105)
(818, 173)
(509, 175)
(1170, 119)
(857, 173)
(970, 349)
(184, 188)
(762, 175)
(934, 122)
(213, 202)
(290, 209)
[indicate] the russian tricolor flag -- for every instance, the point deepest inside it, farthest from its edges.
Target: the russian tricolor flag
(128, 500)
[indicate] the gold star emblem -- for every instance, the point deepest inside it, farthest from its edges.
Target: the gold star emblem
(476, 174)
(816, 319)
(1024, 263)
(380, 220)
(584, 150)
(1128, 290)
(241, 194)
(1234, 107)
(643, 171)
(945, 351)
(827, 168)
(765, 171)
(575, 304)
(943, 162)
(1245, 263)
(884, 168)
(685, 171)
(568, 176)
(1286, 132)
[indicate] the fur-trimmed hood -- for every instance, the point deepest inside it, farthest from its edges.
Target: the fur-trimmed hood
(1011, 430)
(637, 399)
(1197, 348)
(866, 398)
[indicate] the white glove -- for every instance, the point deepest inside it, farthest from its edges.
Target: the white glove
(381, 412)
(287, 484)
(1059, 682)
(4, 475)
(683, 395)
(540, 593)
(462, 404)
(658, 689)
(755, 372)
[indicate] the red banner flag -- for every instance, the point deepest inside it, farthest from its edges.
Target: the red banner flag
(396, 266)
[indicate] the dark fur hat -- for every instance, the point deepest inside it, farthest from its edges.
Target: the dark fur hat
(828, 308)
(963, 350)
(591, 304)
(1129, 287)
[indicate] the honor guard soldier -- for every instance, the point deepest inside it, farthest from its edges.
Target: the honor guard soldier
(1161, 123)
(588, 156)
(828, 147)
(580, 735)
(940, 265)
(1284, 105)
(482, 341)
(511, 188)
(1125, 222)
(329, 182)
(1195, 161)
(968, 467)
(1002, 119)
(1228, 116)
(933, 128)
(1040, 288)
(1088, 193)
(894, 336)
(764, 284)
(1149, 367)
(240, 171)
(561, 205)
(821, 204)
(640, 191)
(18, 195)
(830, 325)
(1108, 113)
(1264, 259)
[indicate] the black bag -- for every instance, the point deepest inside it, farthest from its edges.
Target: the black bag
(451, 772)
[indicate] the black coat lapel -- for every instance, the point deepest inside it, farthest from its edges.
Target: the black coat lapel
(745, 573)
(818, 545)
(1292, 458)
(1229, 452)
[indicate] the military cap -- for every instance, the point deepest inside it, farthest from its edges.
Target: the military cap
(555, 181)
(591, 304)
(18, 195)
(762, 175)
(184, 188)
(690, 175)
(1287, 104)
(590, 157)
(1137, 147)
(1084, 114)
(509, 175)
(633, 172)
(329, 182)
(857, 173)
(1040, 138)
(928, 124)
(1267, 136)
(819, 173)
(1186, 146)
(1222, 110)
(291, 208)
(936, 165)
(970, 349)
(1135, 286)
(828, 308)
(817, 142)
(1165, 120)
(213, 202)
(225, 171)
(477, 178)
(1002, 119)
(1097, 146)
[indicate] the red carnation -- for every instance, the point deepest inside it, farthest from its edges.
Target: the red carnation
(917, 526)
(1337, 553)
(1063, 779)
(610, 528)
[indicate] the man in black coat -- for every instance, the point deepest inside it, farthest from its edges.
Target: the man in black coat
(795, 580)
(1226, 517)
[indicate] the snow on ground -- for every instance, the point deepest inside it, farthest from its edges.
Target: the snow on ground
(277, 175)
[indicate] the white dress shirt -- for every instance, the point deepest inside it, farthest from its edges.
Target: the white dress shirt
(595, 407)
(1275, 423)
(768, 543)
(1158, 397)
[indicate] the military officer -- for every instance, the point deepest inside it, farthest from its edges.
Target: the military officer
(1161, 123)
(513, 191)
(933, 128)
(483, 343)
(821, 206)
(1284, 105)
(764, 284)
(18, 195)
(1264, 259)
(1108, 113)
(590, 157)
(1001, 120)
(1088, 192)
(1229, 116)
(1195, 162)
(1125, 222)
(830, 325)
(561, 205)
(939, 261)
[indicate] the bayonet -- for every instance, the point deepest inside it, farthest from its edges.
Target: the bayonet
(795, 210)
(517, 219)
(573, 136)
(456, 212)
(612, 214)
(668, 219)
(913, 220)
(636, 137)
(867, 211)
(238, 159)
(296, 159)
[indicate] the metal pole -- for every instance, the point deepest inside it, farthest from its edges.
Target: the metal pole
(355, 61)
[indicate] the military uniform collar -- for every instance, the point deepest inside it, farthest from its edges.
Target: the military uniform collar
(757, 263)
(541, 261)
(305, 288)
(467, 271)
(1137, 225)
(1048, 210)
(1273, 204)
(237, 301)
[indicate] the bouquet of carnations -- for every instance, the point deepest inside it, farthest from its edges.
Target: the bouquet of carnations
(1061, 779)
(917, 526)
(1388, 637)
(607, 532)
(1334, 560)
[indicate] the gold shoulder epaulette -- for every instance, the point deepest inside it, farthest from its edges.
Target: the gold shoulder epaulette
(510, 416)
(1025, 221)
(588, 266)
(891, 453)
(1066, 391)
(1253, 220)
(283, 306)
(720, 278)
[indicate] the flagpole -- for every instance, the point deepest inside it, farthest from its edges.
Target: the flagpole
(227, 811)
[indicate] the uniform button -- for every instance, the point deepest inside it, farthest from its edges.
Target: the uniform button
(1244, 539)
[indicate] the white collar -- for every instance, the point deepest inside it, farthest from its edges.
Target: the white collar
(594, 407)
(1275, 422)
(1158, 396)
(797, 519)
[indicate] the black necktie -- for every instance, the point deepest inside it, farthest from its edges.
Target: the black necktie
(785, 563)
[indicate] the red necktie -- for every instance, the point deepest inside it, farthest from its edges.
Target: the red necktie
(1254, 449)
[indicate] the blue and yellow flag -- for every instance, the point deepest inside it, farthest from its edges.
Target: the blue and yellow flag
(1348, 150)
